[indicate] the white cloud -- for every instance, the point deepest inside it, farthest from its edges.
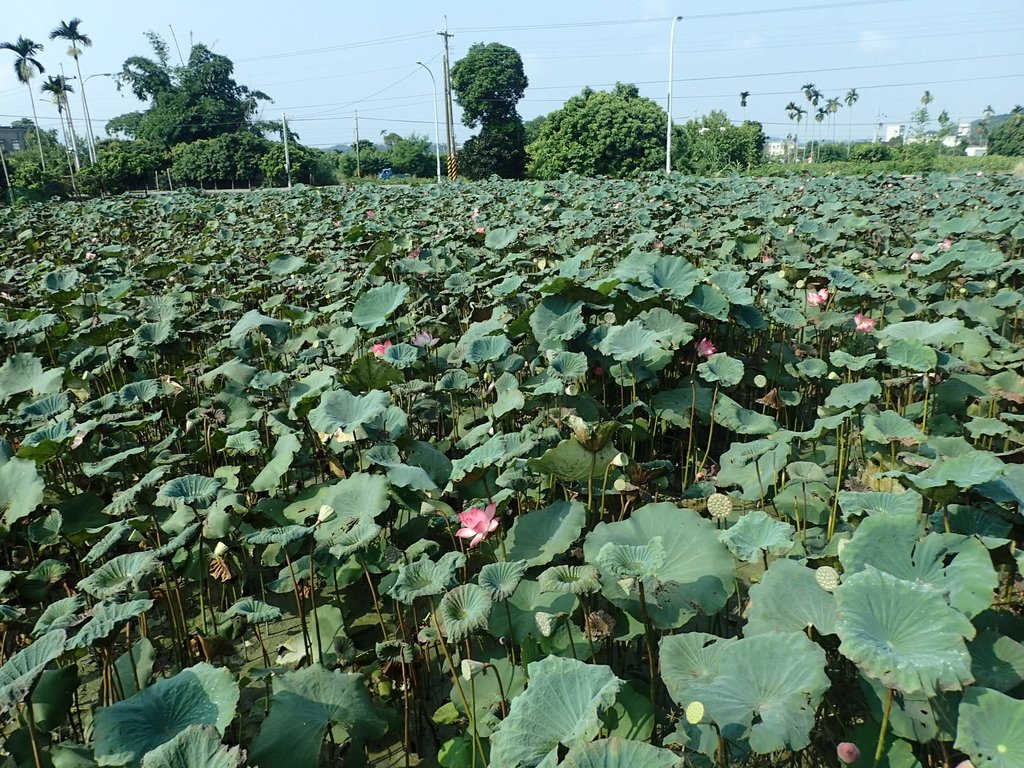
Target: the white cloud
(873, 41)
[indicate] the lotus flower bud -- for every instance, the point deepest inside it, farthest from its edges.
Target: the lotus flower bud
(833, 376)
(848, 752)
(719, 506)
(326, 513)
(220, 550)
(694, 712)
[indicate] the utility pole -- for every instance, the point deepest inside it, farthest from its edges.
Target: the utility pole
(7, 179)
(671, 70)
(359, 173)
(449, 121)
(287, 155)
(71, 125)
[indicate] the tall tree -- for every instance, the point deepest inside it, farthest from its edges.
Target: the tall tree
(26, 66)
(58, 87)
(796, 112)
(614, 133)
(744, 95)
(69, 31)
(488, 83)
(197, 100)
(851, 98)
(833, 106)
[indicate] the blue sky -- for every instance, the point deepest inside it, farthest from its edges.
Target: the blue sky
(323, 61)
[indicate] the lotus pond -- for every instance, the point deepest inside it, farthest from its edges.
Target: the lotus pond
(587, 473)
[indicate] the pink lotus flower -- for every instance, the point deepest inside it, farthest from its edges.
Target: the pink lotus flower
(945, 244)
(618, 204)
(706, 347)
(480, 230)
(766, 259)
(847, 752)
(864, 323)
(424, 339)
(477, 523)
(415, 253)
(380, 349)
(598, 371)
(659, 244)
(915, 256)
(980, 173)
(89, 255)
(817, 298)
(371, 214)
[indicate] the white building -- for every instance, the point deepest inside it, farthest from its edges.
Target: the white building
(976, 151)
(894, 131)
(780, 148)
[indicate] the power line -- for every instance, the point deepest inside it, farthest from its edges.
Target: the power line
(344, 47)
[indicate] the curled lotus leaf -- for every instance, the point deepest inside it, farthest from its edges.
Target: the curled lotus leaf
(562, 706)
(105, 618)
(254, 611)
(424, 577)
(188, 492)
(355, 538)
(621, 753)
(62, 614)
(575, 579)
(757, 536)
(903, 633)
(123, 573)
(501, 579)
(463, 610)
(197, 745)
(697, 574)
(632, 561)
(283, 535)
(20, 672)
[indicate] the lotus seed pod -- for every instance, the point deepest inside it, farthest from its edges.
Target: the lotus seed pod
(469, 668)
(326, 513)
(799, 284)
(760, 381)
(719, 506)
(220, 550)
(620, 460)
(572, 390)
(827, 577)
(833, 376)
(694, 712)
(848, 752)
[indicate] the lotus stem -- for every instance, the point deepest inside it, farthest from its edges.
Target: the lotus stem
(373, 596)
(880, 749)
(298, 606)
(649, 635)
(30, 716)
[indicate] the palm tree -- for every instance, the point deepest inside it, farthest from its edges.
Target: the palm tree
(25, 67)
(851, 99)
(833, 106)
(797, 113)
(819, 116)
(58, 87)
(68, 30)
(988, 112)
(744, 95)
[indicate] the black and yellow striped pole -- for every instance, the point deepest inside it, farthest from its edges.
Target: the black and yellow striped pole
(453, 166)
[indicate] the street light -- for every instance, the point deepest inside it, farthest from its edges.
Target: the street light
(90, 138)
(671, 71)
(437, 130)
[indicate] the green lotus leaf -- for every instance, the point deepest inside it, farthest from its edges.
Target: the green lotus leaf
(958, 565)
(756, 536)
(678, 406)
(620, 753)
(20, 673)
(945, 333)
(275, 330)
(854, 503)
(46, 407)
(498, 239)
(189, 492)
(10, 613)
(61, 280)
(489, 685)
(628, 342)
(990, 728)
(330, 644)
(574, 579)
(254, 611)
(911, 355)
(21, 489)
(671, 275)
(373, 308)
(424, 577)
(359, 536)
(284, 453)
(697, 574)
(890, 427)
(562, 706)
(913, 716)
(110, 539)
(710, 301)
(152, 334)
(642, 562)
(556, 319)
(104, 465)
(341, 410)
(360, 495)
(570, 460)
(740, 420)
(401, 355)
(501, 579)
(754, 466)
(123, 573)
(669, 326)
(789, 599)
(62, 614)
(964, 471)
(997, 661)
(539, 536)
(45, 530)
(522, 610)
(720, 368)
(198, 746)
(105, 618)
(23, 372)
(487, 349)
(986, 522)
(841, 359)
(902, 633)
(568, 366)
(179, 541)
(463, 610)
(134, 667)
(127, 730)
(248, 442)
(304, 705)
(765, 689)
(853, 394)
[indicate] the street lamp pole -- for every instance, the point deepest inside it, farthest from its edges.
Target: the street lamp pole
(90, 139)
(437, 130)
(671, 72)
